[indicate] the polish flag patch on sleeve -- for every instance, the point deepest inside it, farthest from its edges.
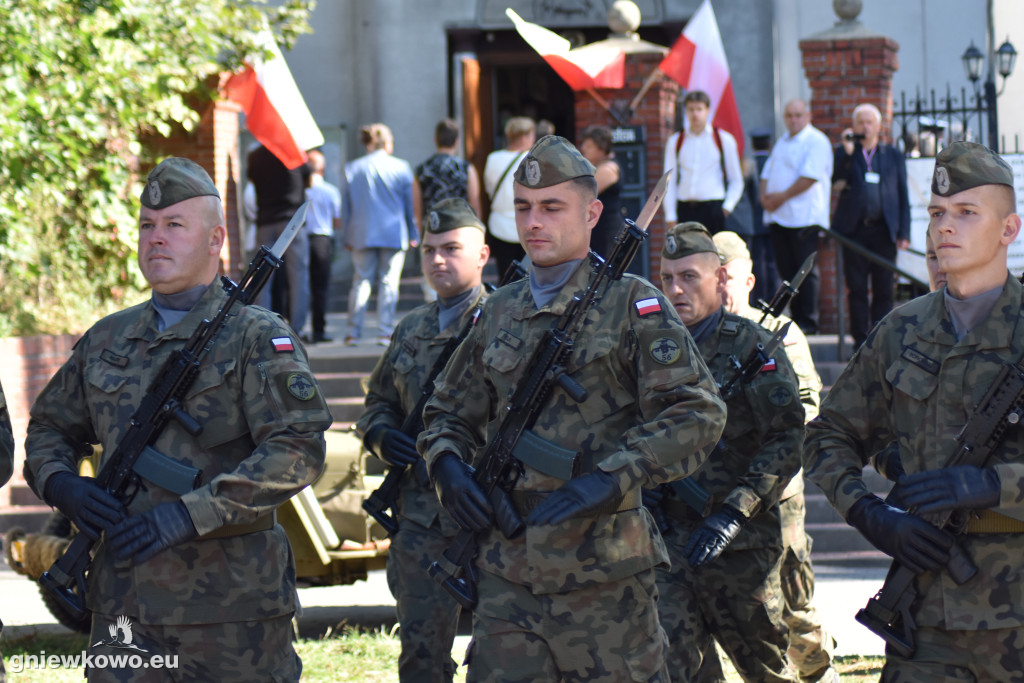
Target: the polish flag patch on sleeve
(647, 306)
(770, 366)
(282, 344)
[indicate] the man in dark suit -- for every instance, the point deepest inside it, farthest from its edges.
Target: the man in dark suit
(874, 211)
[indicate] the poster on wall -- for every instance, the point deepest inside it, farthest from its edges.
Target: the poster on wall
(919, 187)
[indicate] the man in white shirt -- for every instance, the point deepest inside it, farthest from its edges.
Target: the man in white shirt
(795, 193)
(502, 237)
(707, 179)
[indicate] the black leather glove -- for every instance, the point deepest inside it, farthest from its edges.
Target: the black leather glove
(888, 462)
(459, 493)
(575, 497)
(950, 488)
(140, 537)
(84, 502)
(913, 542)
(712, 536)
(392, 446)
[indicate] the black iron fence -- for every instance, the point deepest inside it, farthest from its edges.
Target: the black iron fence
(923, 124)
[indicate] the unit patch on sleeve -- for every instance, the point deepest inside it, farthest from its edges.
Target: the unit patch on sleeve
(300, 387)
(282, 344)
(770, 366)
(664, 350)
(647, 306)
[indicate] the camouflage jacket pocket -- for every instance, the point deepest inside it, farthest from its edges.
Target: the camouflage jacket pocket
(502, 364)
(911, 379)
(602, 377)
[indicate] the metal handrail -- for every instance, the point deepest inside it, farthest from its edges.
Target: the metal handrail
(846, 242)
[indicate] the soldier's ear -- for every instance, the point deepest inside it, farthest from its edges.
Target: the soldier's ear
(1011, 228)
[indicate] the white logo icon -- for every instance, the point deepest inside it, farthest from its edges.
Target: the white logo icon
(120, 635)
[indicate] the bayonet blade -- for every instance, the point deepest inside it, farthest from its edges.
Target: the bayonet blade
(804, 271)
(653, 203)
(290, 231)
(777, 339)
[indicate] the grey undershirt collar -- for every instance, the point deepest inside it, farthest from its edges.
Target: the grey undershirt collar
(171, 308)
(700, 330)
(547, 282)
(967, 314)
(451, 309)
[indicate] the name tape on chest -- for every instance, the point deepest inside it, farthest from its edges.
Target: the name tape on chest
(920, 360)
(647, 306)
(282, 344)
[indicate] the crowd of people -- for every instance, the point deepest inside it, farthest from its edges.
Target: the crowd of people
(654, 514)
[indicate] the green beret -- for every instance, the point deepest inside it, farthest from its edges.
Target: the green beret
(688, 238)
(451, 214)
(730, 246)
(174, 180)
(552, 160)
(963, 165)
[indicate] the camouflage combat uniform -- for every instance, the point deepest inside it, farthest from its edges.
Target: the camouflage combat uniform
(912, 382)
(576, 601)
(737, 597)
(231, 596)
(428, 616)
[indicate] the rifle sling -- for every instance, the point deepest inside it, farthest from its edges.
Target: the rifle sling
(526, 501)
(264, 522)
(991, 522)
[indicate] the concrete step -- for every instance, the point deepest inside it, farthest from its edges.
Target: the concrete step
(342, 383)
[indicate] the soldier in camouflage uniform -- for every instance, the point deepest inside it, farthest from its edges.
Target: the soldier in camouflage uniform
(810, 644)
(204, 574)
(722, 523)
(454, 254)
(573, 598)
(6, 469)
(916, 381)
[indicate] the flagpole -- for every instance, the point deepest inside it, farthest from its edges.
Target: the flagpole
(643, 90)
(604, 103)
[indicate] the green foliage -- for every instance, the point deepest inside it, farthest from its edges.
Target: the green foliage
(81, 81)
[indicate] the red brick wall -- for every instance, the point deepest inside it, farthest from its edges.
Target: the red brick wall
(843, 73)
(29, 365)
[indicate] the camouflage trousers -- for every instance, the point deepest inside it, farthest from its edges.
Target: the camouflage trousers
(810, 645)
(242, 651)
(601, 634)
(736, 600)
(428, 617)
(993, 656)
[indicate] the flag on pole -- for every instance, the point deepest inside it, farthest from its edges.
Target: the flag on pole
(697, 62)
(583, 68)
(275, 112)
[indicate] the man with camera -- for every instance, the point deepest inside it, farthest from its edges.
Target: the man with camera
(873, 211)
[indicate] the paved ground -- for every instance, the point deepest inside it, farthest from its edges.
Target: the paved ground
(841, 591)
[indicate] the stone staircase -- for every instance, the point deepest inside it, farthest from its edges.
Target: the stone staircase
(834, 539)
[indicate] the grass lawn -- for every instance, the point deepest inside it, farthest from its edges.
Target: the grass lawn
(353, 656)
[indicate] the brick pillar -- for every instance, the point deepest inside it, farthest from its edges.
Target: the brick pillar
(213, 144)
(845, 68)
(655, 112)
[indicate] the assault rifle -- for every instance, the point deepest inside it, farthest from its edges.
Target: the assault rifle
(686, 489)
(890, 613)
(499, 467)
(385, 497)
(162, 402)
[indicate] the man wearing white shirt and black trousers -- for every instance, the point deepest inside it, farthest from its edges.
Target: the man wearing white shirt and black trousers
(796, 186)
(707, 179)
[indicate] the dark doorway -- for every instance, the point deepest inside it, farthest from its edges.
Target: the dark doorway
(533, 90)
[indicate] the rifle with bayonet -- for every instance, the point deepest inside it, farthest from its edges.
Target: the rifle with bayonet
(686, 489)
(385, 497)
(546, 370)
(786, 291)
(163, 402)
(890, 613)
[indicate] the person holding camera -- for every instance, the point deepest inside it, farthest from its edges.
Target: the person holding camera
(874, 211)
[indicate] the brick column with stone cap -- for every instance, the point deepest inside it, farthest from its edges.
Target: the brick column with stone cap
(845, 65)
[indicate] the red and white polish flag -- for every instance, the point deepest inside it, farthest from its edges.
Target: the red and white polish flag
(275, 112)
(697, 62)
(583, 68)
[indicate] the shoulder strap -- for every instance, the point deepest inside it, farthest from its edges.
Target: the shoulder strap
(718, 143)
(505, 173)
